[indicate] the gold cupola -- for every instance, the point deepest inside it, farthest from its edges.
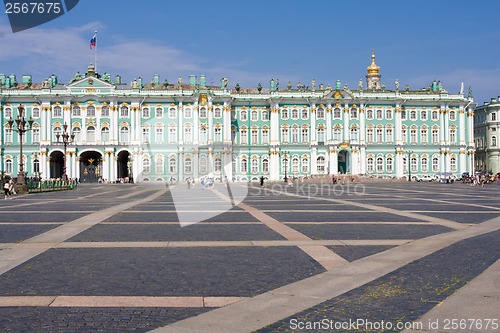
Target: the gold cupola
(373, 69)
(373, 77)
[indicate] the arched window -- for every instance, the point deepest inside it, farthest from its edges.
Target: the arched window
(8, 135)
(389, 164)
(493, 141)
(36, 166)
(8, 166)
(77, 132)
(354, 134)
(305, 114)
(105, 111)
(265, 165)
(36, 113)
(172, 134)
(369, 114)
(413, 164)
(265, 115)
(354, 113)
(105, 134)
(255, 166)
(320, 164)
(255, 136)
(124, 134)
(435, 164)
(188, 134)
(425, 164)
(321, 134)
(159, 165)
(159, 113)
(295, 114)
(244, 166)
(254, 115)
(434, 115)
(295, 165)
(188, 165)
(76, 111)
(320, 113)
(413, 115)
(305, 135)
(90, 134)
(57, 131)
(337, 113)
(159, 134)
(8, 113)
(203, 165)
(146, 165)
(369, 165)
(203, 112)
(145, 113)
(218, 165)
(380, 164)
(453, 115)
(217, 113)
(172, 112)
(124, 111)
(305, 165)
(337, 134)
(172, 165)
(91, 111)
(379, 114)
(388, 114)
(243, 115)
(265, 136)
(453, 164)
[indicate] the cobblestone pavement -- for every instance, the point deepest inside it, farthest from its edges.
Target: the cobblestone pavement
(114, 258)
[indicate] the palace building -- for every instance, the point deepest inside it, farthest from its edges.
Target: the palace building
(486, 136)
(160, 131)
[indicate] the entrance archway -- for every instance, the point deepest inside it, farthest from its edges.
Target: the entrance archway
(343, 162)
(56, 164)
(123, 167)
(90, 166)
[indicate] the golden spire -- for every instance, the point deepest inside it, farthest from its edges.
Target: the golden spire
(373, 69)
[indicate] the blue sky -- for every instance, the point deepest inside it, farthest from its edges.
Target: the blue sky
(251, 42)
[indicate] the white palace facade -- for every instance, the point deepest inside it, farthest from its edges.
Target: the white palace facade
(170, 132)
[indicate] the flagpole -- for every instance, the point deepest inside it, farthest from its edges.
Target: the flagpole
(95, 52)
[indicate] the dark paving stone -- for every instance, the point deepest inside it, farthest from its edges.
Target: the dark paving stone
(368, 231)
(231, 271)
(39, 217)
(173, 207)
(195, 232)
(313, 207)
(407, 293)
(172, 217)
(352, 253)
(465, 217)
(361, 216)
(18, 233)
(108, 320)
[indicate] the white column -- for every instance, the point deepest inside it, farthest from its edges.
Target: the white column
(113, 126)
(347, 130)
(333, 159)
(44, 165)
(314, 164)
(399, 164)
(275, 126)
(274, 166)
(227, 124)
(180, 126)
(329, 123)
(462, 128)
(312, 113)
(362, 158)
(399, 126)
(112, 163)
(362, 124)
(210, 128)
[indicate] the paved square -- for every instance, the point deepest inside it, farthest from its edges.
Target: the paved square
(114, 258)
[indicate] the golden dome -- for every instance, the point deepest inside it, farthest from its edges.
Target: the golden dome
(373, 69)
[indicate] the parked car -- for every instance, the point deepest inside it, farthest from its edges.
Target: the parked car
(423, 178)
(445, 177)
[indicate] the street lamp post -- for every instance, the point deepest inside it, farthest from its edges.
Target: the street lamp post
(21, 130)
(66, 139)
(285, 155)
(409, 152)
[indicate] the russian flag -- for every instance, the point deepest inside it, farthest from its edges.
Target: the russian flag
(93, 41)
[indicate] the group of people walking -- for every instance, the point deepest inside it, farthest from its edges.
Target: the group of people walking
(9, 189)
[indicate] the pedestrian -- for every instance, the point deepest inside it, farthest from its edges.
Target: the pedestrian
(6, 189)
(188, 181)
(262, 181)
